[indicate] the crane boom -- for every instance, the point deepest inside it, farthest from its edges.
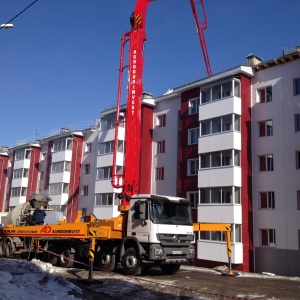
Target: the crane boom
(128, 180)
(201, 26)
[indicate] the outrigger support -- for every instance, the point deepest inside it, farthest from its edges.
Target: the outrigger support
(219, 227)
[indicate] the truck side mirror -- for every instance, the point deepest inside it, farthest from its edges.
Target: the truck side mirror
(140, 210)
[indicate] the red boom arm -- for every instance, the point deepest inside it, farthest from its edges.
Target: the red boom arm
(128, 181)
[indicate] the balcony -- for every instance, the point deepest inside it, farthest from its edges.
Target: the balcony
(226, 106)
(221, 177)
(65, 155)
(22, 164)
(220, 213)
(60, 177)
(220, 141)
(60, 199)
(19, 182)
(217, 251)
(14, 201)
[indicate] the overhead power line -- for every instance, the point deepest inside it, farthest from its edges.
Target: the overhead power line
(20, 13)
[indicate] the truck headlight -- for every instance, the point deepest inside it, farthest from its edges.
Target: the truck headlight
(158, 251)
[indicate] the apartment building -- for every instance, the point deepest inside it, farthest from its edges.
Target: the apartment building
(229, 143)
(276, 165)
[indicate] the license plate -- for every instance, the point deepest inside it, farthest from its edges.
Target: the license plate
(176, 252)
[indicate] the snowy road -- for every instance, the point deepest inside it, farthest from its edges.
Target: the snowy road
(35, 280)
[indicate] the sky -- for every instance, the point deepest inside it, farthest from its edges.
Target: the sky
(59, 64)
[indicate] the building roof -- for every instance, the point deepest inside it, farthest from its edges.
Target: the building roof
(277, 61)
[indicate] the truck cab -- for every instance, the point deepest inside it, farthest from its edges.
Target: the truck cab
(160, 230)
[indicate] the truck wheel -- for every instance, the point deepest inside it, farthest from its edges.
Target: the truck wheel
(10, 250)
(50, 257)
(106, 260)
(131, 262)
(65, 256)
(2, 249)
(170, 269)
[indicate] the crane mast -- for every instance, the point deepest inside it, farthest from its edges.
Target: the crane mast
(128, 179)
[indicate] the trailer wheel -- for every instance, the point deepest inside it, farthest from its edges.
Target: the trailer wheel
(170, 269)
(2, 249)
(65, 259)
(131, 262)
(106, 260)
(10, 250)
(50, 257)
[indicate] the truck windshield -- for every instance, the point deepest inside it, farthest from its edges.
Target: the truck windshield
(171, 213)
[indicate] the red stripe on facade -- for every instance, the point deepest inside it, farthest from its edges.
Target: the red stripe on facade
(33, 174)
(246, 164)
(186, 152)
(73, 197)
(3, 178)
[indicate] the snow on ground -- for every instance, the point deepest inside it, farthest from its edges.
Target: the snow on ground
(34, 280)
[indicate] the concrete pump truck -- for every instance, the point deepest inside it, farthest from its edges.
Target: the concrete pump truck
(151, 230)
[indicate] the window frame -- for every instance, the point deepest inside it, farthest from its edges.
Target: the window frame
(161, 120)
(159, 173)
(194, 105)
(266, 200)
(192, 167)
(160, 147)
(193, 136)
(262, 94)
(265, 129)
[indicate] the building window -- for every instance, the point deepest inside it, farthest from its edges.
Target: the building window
(85, 190)
(265, 128)
(61, 145)
(104, 199)
(218, 236)
(266, 163)
(160, 147)
(220, 91)
(194, 106)
(58, 188)
(220, 124)
(88, 147)
(22, 154)
(193, 197)
(267, 237)
(267, 200)
(160, 173)
(18, 192)
(19, 173)
(265, 94)
(161, 120)
(60, 166)
(298, 200)
(43, 156)
(297, 86)
(220, 159)
(108, 122)
(297, 122)
(220, 195)
(42, 175)
(297, 159)
(104, 173)
(86, 169)
(108, 147)
(193, 135)
(193, 166)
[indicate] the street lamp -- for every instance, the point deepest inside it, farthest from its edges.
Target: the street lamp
(6, 26)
